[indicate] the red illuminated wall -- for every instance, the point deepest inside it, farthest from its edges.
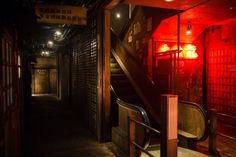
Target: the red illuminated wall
(189, 72)
(221, 68)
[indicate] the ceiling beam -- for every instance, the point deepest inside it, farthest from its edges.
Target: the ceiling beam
(112, 3)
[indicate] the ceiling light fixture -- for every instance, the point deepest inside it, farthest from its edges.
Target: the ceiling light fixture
(118, 15)
(58, 33)
(189, 29)
(50, 42)
(169, 0)
(45, 53)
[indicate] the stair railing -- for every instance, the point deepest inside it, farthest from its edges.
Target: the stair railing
(134, 111)
(133, 144)
(213, 116)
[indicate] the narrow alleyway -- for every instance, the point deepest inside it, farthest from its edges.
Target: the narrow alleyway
(52, 130)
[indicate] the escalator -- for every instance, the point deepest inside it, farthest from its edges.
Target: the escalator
(122, 85)
(124, 90)
(133, 88)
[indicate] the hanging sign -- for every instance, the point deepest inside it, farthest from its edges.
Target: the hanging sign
(61, 14)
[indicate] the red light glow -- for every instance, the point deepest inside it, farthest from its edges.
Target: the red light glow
(163, 48)
(189, 52)
(180, 48)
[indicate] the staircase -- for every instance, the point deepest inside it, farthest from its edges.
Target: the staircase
(127, 93)
(122, 85)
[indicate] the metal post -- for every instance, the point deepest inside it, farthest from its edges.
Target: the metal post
(131, 138)
(213, 132)
(169, 125)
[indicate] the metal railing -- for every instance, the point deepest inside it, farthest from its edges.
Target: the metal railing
(136, 108)
(214, 133)
(133, 144)
(222, 134)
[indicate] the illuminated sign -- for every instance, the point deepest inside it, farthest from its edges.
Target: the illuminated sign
(61, 14)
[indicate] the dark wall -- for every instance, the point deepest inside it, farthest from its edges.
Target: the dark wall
(118, 24)
(144, 22)
(64, 75)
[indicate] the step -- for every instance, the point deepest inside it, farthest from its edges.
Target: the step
(131, 99)
(116, 70)
(113, 60)
(118, 76)
(114, 65)
(116, 83)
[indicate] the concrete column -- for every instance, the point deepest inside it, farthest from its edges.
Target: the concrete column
(169, 125)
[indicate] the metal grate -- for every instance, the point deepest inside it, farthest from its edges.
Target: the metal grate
(84, 73)
(221, 80)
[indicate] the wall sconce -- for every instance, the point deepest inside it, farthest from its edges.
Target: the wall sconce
(189, 29)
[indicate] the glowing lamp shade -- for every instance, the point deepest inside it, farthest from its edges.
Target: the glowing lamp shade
(189, 52)
(163, 48)
(189, 29)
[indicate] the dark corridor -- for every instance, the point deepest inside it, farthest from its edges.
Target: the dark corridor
(52, 130)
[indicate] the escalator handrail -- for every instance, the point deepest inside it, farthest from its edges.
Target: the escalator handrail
(137, 108)
(204, 113)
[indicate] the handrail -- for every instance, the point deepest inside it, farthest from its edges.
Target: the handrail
(145, 125)
(222, 134)
(135, 107)
(166, 53)
(226, 115)
(226, 136)
(132, 140)
(204, 113)
(113, 92)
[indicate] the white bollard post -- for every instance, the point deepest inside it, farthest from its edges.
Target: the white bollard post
(169, 125)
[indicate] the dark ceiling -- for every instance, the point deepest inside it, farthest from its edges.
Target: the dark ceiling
(22, 14)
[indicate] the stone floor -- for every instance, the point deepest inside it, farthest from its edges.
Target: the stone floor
(225, 147)
(182, 152)
(54, 131)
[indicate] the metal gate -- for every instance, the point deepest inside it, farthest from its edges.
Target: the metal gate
(84, 60)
